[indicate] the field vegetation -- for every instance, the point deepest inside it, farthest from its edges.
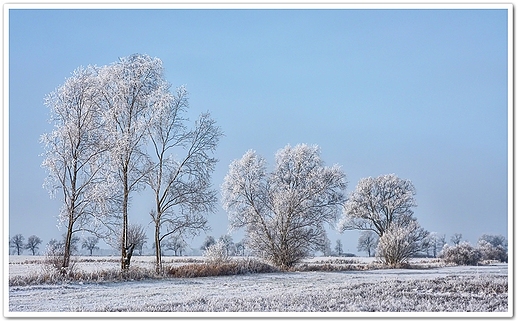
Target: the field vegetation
(242, 284)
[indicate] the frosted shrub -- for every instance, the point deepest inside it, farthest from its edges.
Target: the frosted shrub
(217, 253)
(399, 243)
(461, 254)
(490, 252)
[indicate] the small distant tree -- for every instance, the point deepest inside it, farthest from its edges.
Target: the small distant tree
(240, 248)
(176, 244)
(456, 238)
(433, 243)
(325, 248)
(136, 236)
(367, 242)
(54, 247)
(338, 248)
(90, 244)
(16, 242)
(440, 243)
(399, 243)
(227, 240)
(208, 241)
(32, 244)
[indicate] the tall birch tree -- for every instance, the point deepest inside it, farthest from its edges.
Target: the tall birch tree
(75, 153)
(180, 171)
(133, 89)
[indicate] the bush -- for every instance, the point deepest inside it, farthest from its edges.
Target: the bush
(490, 252)
(461, 254)
(217, 253)
(400, 243)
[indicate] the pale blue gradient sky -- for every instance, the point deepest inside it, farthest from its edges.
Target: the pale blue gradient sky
(419, 93)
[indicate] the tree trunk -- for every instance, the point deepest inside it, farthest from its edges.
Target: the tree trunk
(158, 261)
(68, 239)
(125, 261)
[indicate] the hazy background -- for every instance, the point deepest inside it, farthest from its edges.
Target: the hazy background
(419, 93)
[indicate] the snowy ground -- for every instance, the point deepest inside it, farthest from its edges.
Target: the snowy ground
(480, 289)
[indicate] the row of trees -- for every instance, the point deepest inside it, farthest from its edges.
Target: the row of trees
(284, 212)
(119, 129)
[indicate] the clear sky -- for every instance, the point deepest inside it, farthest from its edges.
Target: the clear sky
(419, 93)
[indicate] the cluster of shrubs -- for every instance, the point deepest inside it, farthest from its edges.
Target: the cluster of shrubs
(488, 248)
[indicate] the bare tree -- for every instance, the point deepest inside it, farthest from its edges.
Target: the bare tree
(137, 238)
(133, 89)
(456, 238)
(367, 242)
(180, 171)
(90, 243)
(175, 243)
(16, 242)
(338, 248)
(74, 153)
(284, 212)
(377, 203)
(32, 243)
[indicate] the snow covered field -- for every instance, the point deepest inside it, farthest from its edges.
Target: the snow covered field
(479, 289)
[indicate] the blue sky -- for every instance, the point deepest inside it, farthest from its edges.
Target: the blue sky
(419, 93)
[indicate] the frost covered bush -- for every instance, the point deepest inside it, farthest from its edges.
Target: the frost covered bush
(399, 243)
(217, 253)
(492, 247)
(461, 254)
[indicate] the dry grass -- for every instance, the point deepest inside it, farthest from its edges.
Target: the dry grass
(211, 269)
(49, 274)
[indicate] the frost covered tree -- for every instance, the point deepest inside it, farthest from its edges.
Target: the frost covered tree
(377, 203)
(367, 242)
(133, 89)
(75, 153)
(400, 242)
(90, 244)
(16, 242)
(283, 212)
(32, 244)
(180, 169)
